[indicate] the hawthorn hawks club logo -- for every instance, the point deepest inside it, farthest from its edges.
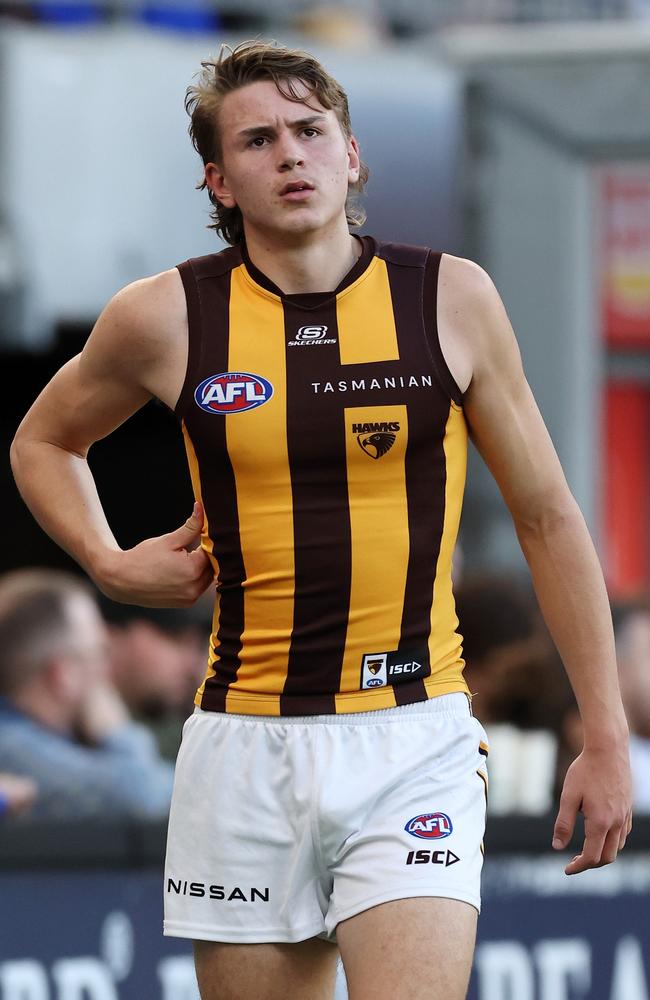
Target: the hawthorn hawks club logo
(375, 439)
(232, 392)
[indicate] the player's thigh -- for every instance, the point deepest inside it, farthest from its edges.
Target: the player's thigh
(302, 971)
(419, 948)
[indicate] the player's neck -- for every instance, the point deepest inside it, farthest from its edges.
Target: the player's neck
(304, 266)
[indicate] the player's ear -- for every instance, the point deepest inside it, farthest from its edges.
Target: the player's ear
(217, 183)
(354, 160)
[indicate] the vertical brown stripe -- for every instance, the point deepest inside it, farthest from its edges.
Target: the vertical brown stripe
(445, 644)
(430, 309)
(316, 440)
(206, 543)
(425, 474)
(208, 434)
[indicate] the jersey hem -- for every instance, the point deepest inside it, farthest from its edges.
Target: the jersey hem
(241, 703)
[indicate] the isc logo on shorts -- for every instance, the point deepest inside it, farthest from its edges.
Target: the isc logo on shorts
(232, 392)
(430, 826)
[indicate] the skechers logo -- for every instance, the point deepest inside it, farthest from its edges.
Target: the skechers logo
(310, 336)
(232, 392)
(375, 439)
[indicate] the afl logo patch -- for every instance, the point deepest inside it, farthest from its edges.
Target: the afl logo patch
(430, 826)
(232, 392)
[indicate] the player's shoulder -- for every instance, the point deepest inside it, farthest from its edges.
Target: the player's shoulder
(464, 276)
(148, 307)
(460, 272)
(212, 265)
(467, 295)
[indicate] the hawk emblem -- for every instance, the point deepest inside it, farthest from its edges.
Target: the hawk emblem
(376, 445)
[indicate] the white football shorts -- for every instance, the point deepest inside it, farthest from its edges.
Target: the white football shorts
(280, 827)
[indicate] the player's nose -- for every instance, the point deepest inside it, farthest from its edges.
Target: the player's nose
(289, 153)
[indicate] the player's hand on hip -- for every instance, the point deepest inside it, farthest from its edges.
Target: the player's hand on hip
(598, 784)
(170, 571)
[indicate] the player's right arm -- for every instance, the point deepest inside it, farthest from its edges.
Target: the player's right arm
(137, 350)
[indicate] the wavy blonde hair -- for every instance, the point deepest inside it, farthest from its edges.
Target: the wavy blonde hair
(246, 63)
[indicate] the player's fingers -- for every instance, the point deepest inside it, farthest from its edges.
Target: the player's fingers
(566, 818)
(626, 829)
(595, 835)
(610, 847)
(189, 534)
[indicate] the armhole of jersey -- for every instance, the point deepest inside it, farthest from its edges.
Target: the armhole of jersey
(430, 312)
(192, 298)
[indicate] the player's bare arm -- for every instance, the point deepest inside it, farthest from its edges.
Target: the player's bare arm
(137, 350)
(508, 430)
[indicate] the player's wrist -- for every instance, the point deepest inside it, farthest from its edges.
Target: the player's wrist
(612, 734)
(106, 567)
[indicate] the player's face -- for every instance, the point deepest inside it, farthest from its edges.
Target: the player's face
(270, 146)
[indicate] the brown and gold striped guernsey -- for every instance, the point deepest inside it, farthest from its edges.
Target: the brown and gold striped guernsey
(327, 443)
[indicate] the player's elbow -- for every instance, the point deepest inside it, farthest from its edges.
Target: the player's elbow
(545, 517)
(16, 453)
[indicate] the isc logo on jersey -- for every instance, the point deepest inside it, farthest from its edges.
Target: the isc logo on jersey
(232, 392)
(430, 826)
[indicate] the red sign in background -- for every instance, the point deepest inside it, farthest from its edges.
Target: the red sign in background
(625, 303)
(626, 255)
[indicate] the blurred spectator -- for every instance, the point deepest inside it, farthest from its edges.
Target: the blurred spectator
(632, 634)
(158, 659)
(17, 795)
(62, 722)
(520, 686)
(499, 622)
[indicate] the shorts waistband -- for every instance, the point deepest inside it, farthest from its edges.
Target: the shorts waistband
(455, 705)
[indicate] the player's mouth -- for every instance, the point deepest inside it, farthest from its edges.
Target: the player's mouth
(297, 191)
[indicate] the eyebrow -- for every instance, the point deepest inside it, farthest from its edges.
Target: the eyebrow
(299, 123)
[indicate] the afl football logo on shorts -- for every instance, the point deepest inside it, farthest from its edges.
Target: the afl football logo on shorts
(430, 826)
(232, 392)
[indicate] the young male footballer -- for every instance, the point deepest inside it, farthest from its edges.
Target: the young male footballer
(331, 784)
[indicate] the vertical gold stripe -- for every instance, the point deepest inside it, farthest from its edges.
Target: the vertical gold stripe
(365, 320)
(257, 445)
(443, 639)
(208, 547)
(380, 541)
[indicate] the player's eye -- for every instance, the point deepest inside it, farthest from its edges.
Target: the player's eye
(310, 129)
(258, 139)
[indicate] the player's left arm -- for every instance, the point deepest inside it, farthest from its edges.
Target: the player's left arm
(508, 430)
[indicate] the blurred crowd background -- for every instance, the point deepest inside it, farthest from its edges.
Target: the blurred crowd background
(514, 132)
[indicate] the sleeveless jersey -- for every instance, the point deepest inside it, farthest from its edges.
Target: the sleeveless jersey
(327, 443)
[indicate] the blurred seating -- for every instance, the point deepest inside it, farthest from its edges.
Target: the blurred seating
(17, 795)
(521, 692)
(63, 724)
(158, 658)
(632, 634)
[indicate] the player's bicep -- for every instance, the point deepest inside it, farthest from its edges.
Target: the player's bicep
(95, 391)
(74, 410)
(505, 422)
